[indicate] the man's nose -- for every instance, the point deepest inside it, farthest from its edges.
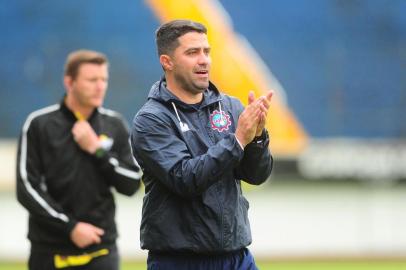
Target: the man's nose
(101, 84)
(204, 59)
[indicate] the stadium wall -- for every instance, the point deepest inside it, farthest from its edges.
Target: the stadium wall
(289, 219)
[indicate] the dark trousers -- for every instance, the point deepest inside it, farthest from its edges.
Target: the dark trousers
(238, 260)
(40, 260)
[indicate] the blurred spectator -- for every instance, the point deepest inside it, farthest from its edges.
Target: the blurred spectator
(70, 155)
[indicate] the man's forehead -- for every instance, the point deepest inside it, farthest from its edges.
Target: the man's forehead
(92, 66)
(194, 39)
(89, 69)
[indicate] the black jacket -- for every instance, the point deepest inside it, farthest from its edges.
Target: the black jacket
(60, 184)
(192, 166)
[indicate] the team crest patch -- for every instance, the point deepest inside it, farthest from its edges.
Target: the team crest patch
(219, 121)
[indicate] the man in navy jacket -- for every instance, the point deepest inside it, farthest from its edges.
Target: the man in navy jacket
(195, 146)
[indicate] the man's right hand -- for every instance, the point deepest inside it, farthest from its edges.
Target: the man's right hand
(85, 234)
(85, 137)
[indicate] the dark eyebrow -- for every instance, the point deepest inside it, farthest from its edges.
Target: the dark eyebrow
(192, 49)
(197, 48)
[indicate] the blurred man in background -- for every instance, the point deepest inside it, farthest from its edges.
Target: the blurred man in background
(195, 145)
(69, 156)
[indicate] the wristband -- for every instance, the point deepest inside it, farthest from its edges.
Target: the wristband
(100, 152)
(258, 139)
(261, 138)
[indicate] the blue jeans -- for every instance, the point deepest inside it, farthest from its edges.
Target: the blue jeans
(237, 260)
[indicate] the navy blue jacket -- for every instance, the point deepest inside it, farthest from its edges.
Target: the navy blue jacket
(192, 166)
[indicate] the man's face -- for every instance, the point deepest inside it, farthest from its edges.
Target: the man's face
(191, 62)
(89, 87)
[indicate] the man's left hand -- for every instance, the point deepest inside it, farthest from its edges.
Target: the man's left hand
(265, 103)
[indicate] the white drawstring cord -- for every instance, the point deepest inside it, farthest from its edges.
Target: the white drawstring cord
(221, 114)
(184, 127)
(176, 111)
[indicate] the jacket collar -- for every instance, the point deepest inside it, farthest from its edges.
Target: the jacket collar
(66, 111)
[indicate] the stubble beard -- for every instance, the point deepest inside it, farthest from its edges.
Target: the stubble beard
(193, 87)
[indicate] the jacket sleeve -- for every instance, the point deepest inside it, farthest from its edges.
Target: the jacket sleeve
(118, 164)
(256, 165)
(31, 191)
(165, 156)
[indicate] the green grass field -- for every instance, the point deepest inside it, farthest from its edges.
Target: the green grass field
(279, 265)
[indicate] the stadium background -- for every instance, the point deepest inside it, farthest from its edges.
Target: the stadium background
(340, 69)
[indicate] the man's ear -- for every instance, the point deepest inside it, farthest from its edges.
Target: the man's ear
(166, 61)
(67, 82)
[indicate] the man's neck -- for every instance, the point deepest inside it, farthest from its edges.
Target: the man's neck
(185, 96)
(79, 111)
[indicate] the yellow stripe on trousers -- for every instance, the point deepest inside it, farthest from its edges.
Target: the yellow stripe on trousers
(62, 261)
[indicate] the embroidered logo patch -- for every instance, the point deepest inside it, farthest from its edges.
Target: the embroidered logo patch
(219, 121)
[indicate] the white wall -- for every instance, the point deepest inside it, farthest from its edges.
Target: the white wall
(8, 153)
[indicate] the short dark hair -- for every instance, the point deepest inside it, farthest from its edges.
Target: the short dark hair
(167, 34)
(77, 58)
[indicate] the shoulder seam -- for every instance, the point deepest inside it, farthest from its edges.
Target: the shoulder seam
(109, 112)
(37, 113)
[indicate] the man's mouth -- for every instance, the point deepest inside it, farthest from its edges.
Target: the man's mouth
(202, 72)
